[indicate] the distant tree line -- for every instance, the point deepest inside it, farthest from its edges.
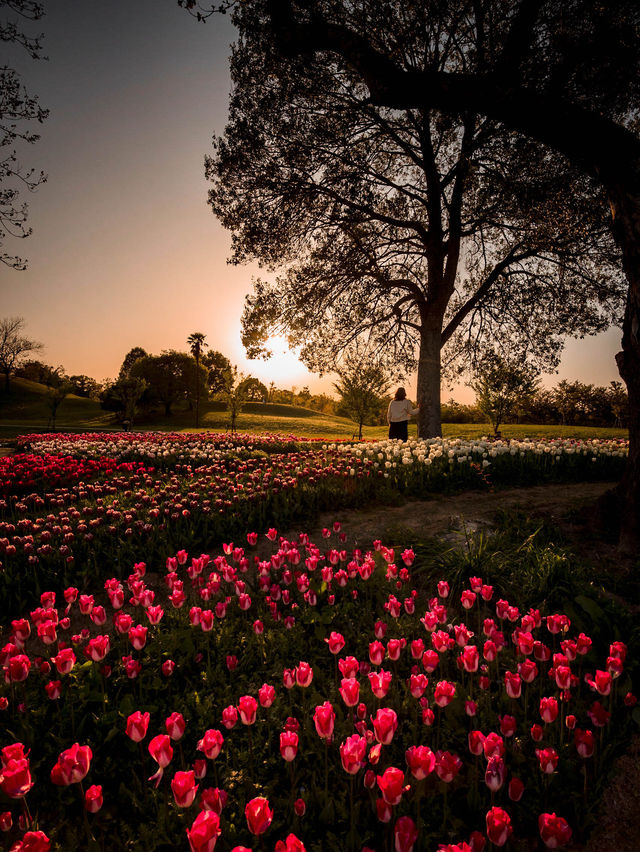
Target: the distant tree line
(567, 404)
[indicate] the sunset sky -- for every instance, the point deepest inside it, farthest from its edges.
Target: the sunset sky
(125, 251)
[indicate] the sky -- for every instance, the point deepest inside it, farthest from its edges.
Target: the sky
(125, 251)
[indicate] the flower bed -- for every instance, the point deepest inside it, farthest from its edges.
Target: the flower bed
(64, 518)
(314, 699)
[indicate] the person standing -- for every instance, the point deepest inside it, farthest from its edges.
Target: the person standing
(398, 414)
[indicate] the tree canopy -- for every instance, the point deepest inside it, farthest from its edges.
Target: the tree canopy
(399, 226)
(19, 111)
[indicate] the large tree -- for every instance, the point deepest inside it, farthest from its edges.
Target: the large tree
(565, 73)
(398, 226)
(19, 111)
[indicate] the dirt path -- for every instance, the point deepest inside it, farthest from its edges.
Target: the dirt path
(442, 513)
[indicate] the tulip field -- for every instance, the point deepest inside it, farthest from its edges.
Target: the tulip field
(178, 674)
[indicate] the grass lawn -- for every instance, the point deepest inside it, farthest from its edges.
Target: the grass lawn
(26, 410)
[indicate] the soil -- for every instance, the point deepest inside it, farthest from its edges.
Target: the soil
(563, 505)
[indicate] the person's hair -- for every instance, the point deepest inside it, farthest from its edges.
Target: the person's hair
(401, 394)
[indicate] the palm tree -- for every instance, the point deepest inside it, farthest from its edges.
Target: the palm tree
(196, 345)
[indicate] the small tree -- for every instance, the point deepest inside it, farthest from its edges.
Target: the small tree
(122, 397)
(235, 399)
(196, 345)
(14, 346)
(253, 390)
(501, 385)
(58, 388)
(362, 385)
(85, 386)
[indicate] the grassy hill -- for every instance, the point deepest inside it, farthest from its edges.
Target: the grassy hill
(25, 410)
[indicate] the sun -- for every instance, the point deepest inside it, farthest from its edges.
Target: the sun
(284, 364)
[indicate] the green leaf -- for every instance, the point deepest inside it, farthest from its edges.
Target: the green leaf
(590, 607)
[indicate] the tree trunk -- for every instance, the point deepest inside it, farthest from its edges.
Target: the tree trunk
(429, 422)
(625, 207)
(6, 381)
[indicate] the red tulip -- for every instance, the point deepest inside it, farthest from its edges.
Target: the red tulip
(499, 827)
(508, 725)
(97, 648)
(350, 691)
(247, 708)
(405, 834)
(213, 799)
(53, 689)
(470, 657)
(161, 751)
(349, 666)
(335, 642)
(93, 799)
(304, 674)
(259, 815)
(72, 765)
(6, 821)
(229, 716)
(513, 684)
(353, 753)
(444, 693)
(548, 709)
(266, 695)
(15, 778)
(64, 660)
(137, 726)
(548, 759)
(204, 832)
(585, 742)
(383, 810)
(175, 726)
(291, 844)
(377, 652)
(494, 774)
(380, 682)
(554, 830)
(288, 745)
(184, 788)
(324, 719)
(476, 742)
(515, 789)
(19, 666)
(385, 725)
(300, 807)
(32, 841)
(447, 765)
(417, 684)
(421, 761)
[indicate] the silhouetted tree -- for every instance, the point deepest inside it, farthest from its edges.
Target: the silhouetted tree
(14, 346)
(395, 226)
(130, 359)
(170, 376)
(197, 344)
(219, 371)
(18, 112)
(84, 386)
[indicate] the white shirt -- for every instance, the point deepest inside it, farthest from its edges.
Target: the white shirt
(399, 410)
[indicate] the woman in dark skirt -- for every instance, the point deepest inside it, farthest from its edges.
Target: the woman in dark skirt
(398, 414)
